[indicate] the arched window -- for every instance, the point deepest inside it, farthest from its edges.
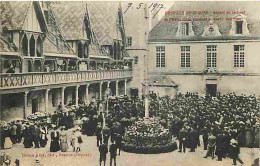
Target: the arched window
(30, 67)
(39, 47)
(32, 46)
(80, 50)
(115, 50)
(118, 51)
(86, 55)
(25, 45)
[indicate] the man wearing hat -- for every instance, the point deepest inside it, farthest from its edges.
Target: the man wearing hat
(13, 134)
(103, 153)
(113, 153)
(19, 131)
(220, 145)
(211, 146)
(234, 151)
(99, 134)
(36, 136)
(118, 142)
(193, 139)
(182, 139)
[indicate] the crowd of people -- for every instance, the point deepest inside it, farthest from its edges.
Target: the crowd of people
(225, 123)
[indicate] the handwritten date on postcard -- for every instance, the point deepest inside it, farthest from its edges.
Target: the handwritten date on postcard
(153, 7)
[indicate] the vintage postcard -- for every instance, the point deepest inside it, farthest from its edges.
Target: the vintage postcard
(129, 83)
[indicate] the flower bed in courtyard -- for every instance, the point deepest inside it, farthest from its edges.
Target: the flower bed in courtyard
(148, 136)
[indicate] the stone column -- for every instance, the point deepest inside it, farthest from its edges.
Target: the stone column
(25, 105)
(117, 88)
(125, 86)
(86, 95)
(62, 96)
(77, 95)
(46, 100)
(100, 90)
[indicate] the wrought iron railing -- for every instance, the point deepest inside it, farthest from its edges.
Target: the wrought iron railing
(38, 79)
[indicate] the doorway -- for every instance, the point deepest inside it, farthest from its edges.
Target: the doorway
(211, 89)
(35, 105)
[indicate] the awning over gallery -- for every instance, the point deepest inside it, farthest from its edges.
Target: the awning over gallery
(161, 81)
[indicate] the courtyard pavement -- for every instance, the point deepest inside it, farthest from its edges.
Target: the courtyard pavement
(89, 156)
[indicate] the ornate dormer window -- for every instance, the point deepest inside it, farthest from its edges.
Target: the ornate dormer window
(32, 44)
(239, 25)
(211, 29)
(82, 49)
(184, 29)
(25, 46)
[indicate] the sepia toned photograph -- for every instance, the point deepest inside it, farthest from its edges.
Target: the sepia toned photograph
(129, 83)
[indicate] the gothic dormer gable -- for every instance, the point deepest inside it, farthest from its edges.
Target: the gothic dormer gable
(211, 29)
(34, 20)
(239, 25)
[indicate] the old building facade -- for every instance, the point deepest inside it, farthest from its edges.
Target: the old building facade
(51, 54)
(207, 47)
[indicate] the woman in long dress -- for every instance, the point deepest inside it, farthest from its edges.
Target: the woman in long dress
(79, 141)
(74, 140)
(63, 140)
(43, 139)
(7, 143)
(55, 145)
(27, 142)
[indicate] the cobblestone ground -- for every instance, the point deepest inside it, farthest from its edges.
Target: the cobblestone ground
(89, 156)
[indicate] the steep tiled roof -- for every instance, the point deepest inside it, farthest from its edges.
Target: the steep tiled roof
(166, 30)
(70, 17)
(6, 44)
(55, 42)
(13, 14)
(104, 16)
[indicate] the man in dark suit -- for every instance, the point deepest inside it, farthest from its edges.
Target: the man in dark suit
(98, 134)
(37, 136)
(13, 134)
(118, 142)
(193, 139)
(113, 153)
(220, 145)
(205, 136)
(103, 153)
(19, 132)
(182, 139)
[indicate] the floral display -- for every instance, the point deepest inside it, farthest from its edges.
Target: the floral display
(147, 136)
(37, 115)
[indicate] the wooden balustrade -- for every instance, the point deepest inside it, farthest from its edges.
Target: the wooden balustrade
(38, 79)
